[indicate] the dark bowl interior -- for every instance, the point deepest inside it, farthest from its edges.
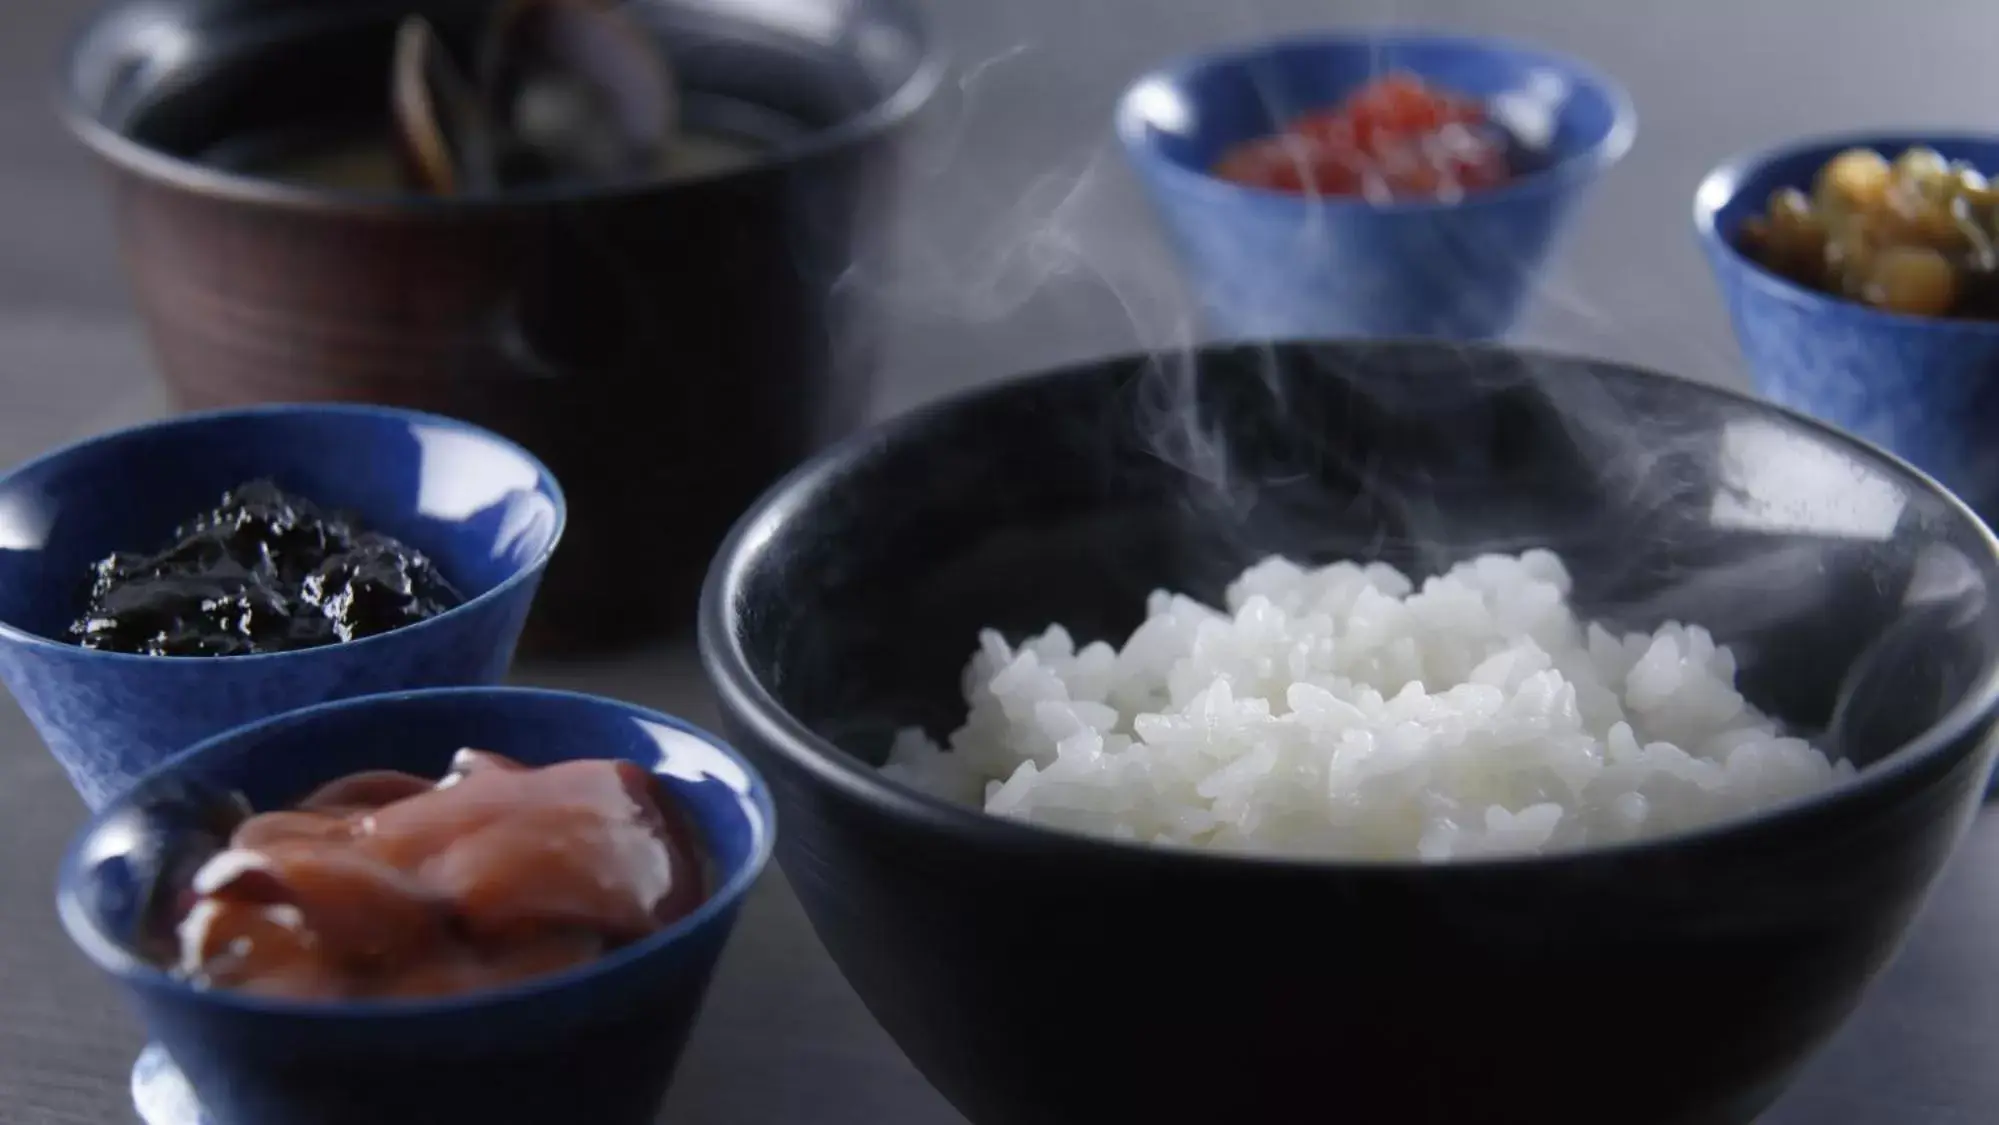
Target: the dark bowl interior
(1041, 978)
(1068, 498)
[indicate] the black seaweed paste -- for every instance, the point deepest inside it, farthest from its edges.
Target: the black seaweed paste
(265, 571)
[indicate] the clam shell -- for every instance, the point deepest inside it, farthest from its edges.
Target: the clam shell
(444, 133)
(582, 89)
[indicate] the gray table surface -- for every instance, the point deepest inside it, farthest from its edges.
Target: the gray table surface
(1026, 246)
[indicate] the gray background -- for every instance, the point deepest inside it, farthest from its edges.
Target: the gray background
(1026, 246)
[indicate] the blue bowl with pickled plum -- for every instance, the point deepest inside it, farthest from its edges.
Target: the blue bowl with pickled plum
(441, 977)
(1899, 346)
(1383, 184)
(165, 583)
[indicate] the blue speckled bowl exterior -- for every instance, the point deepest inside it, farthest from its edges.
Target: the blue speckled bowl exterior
(485, 510)
(1270, 265)
(596, 1044)
(1926, 389)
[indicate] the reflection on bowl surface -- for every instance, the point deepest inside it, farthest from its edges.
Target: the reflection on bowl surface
(487, 513)
(1275, 265)
(1919, 386)
(594, 1043)
(1040, 976)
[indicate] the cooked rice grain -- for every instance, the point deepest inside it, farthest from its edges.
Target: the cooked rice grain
(1344, 712)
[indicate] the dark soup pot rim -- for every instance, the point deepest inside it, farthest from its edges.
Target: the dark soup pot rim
(746, 699)
(528, 571)
(191, 176)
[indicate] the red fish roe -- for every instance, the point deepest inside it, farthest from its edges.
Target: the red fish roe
(1395, 139)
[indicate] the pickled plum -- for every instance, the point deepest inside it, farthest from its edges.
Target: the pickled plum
(1395, 139)
(382, 884)
(1915, 235)
(264, 571)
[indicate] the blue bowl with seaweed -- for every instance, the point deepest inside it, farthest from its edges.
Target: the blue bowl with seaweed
(483, 510)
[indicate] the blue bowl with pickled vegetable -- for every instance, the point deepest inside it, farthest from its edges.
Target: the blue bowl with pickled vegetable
(1898, 346)
(595, 1041)
(1270, 260)
(477, 513)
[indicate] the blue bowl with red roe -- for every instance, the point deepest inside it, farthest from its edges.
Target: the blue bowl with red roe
(1371, 184)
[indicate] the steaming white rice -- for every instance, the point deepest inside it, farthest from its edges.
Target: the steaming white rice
(1345, 712)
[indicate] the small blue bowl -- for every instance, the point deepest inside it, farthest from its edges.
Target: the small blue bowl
(1926, 388)
(594, 1044)
(1266, 264)
(481, 507)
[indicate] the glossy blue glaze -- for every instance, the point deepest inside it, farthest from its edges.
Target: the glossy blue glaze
(481, 507)
(1926, 388)
(594, 1044)
(1265, 264)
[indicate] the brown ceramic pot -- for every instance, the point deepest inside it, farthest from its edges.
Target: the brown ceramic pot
(668, 348)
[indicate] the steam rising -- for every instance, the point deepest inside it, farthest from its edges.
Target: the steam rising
(1075, 232)
(1073, 239)
(1072, 233)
